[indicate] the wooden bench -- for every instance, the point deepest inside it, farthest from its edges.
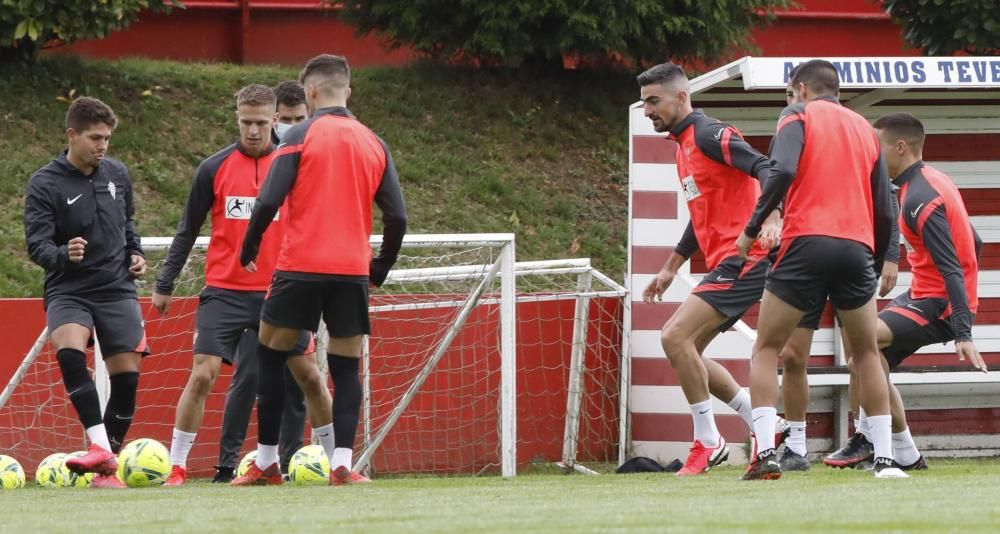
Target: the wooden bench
(838, 377)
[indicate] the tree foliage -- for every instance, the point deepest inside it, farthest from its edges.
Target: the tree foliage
(512, 32)
(28, 25)
(943, 27)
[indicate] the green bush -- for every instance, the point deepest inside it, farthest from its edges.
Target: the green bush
(28, 25)
(513, 32)
(943, 27)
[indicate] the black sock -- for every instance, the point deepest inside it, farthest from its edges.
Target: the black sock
(121, 408)
(270, 393)
(79, 386)
(346, 398)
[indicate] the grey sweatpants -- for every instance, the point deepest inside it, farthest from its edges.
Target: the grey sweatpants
(240, 399)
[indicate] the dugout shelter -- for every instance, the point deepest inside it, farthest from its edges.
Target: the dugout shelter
(952, 411)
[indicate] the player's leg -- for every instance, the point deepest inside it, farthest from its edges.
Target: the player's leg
(291, 307)
(293, 421)
(795, 391)
(796, 284)
(71, 323)
(853, 295)
(777, 323)
(715, 305)
(858, 451)
(223, 316)
(122, 338)
(695, 320)
(860, 326)
(904, 326)
(346, 316)
(313, 385)
(240, 398)
(189, 414)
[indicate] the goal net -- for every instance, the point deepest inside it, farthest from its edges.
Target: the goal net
(475, 365)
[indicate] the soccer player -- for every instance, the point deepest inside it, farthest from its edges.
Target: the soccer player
(330, 168)
(291, 107)
(941, 304)
(795, 354)
(242, 392)
(837, 226)
(79, 226)
(720, 176)
(224, 186)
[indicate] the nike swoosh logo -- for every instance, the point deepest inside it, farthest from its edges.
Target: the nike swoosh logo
(120, 418)
(916, 209)
(724, 279)
(912, 307)
(70, 201)
(703, 413)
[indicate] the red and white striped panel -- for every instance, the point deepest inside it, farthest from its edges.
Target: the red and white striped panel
(958, 419)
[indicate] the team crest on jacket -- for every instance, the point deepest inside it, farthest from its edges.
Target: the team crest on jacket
(113, 190)
(690, 188)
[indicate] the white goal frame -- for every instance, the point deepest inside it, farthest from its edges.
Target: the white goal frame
(506, 270)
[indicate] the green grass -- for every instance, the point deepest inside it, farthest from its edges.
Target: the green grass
(954, 495)
(543, 156)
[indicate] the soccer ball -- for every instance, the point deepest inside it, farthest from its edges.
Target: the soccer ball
(144, 462)
(11, 473)
(245, 463)
(309, 466)
(71, 479)
(50, 472)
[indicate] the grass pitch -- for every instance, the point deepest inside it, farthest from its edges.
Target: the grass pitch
(954, 495)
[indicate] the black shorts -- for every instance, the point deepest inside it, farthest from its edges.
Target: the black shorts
(915, 323)
(812, 317)
(224, 314)
(118, 323)
(811, 268)
(341, 302)
(733, 287)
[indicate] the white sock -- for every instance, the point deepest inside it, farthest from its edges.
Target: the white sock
(325, 436)
(180, 446)
(704, 424)
(764, 420)
(741, 403)
(98, 435)
(857, 424)
(864, 426)
(796, 441)
(342, 456)
(881, 428)
(904, 450)
(267, 455)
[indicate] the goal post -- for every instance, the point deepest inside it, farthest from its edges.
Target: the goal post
(477, 363)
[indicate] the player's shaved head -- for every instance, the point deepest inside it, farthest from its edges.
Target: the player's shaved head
(902, 127)
(329, 73)
(819, 75)
(666, 74)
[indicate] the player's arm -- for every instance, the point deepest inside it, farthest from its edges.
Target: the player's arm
(389, 198)
(885, 215)
(40, 229)
(933, 227)
(196, 210)
(685, 248)
(723, 144)
(890, 268)
(979, 243)
(786, 152)
(133, 241)
(278, 184)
